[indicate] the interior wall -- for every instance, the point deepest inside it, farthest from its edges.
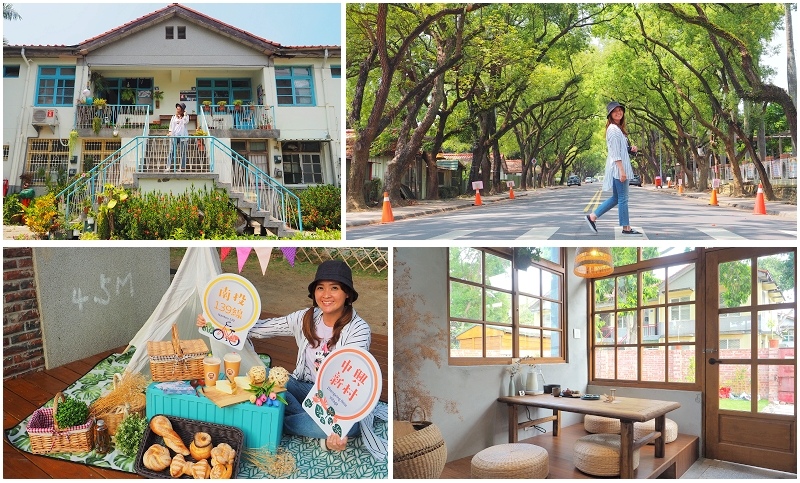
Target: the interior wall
(465, 406)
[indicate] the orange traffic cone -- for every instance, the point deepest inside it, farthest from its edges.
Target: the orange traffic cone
(760, 208)
(511, 192)
(680, 188)
(387, 216)
(713, 201)
(478, 201)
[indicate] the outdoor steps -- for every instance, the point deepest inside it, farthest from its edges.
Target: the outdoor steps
(256, 219)
(161, 145)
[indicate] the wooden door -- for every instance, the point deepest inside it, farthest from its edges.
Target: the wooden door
(750, 364)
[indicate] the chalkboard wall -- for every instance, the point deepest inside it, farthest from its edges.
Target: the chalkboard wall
(95, 299)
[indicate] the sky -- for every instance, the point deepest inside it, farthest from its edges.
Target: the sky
(289, 24)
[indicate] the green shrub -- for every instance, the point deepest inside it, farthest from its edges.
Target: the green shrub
(71, 412)
(129, 434)
(12, 210)
(321, 207)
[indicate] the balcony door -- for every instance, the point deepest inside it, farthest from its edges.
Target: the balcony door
(750, 361)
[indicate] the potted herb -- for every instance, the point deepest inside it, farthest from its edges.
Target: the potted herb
(158, 96)
(71, 412)
(207, 106)
(129, 434)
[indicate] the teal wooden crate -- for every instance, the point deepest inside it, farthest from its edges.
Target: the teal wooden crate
(262, 425)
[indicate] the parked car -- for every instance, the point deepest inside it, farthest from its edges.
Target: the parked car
(589, 179)
(635, 181)
(573, 180)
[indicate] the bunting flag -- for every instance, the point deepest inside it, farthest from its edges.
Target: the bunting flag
(242, 253)
(263, 254)
(289, 253)
(223, 253)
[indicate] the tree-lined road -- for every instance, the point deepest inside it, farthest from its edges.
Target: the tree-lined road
(557, 214)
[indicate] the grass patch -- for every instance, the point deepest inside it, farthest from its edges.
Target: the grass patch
(739, 405)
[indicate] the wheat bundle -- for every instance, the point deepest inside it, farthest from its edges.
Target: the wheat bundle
(126, 389)
(278, 465)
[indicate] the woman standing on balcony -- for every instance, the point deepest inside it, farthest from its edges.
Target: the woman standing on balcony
(178, 132)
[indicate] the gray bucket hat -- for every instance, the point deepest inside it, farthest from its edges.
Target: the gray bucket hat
(335, 271)
(613, 105)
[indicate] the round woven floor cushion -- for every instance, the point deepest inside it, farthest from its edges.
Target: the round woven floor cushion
(598, 455)
(511, 460)
(602, 425)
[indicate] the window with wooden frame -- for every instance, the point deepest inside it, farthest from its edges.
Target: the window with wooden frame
(644, 318)
(506, 303)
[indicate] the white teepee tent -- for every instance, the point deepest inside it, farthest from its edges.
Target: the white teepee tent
(180, 305)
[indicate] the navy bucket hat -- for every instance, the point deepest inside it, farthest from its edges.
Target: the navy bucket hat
(182, 106)
(613, 105)
(334, 271)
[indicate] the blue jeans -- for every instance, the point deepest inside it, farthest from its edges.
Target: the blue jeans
(177, 143)
(618, 198)
(296, 420)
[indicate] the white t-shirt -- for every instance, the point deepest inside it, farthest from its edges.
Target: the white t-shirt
(316, 355)
(177, 125)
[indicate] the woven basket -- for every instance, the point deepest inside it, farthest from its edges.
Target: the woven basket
(47, 437)
(176, 360)
(421, 453)
(114, 417)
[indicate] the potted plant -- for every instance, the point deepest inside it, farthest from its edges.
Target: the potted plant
(99, 102)
(221, 105)
(200, 144)
(128, 95)
(97, 124)
(237, 104)
(73, 141)
(207, 106)
(158, 96)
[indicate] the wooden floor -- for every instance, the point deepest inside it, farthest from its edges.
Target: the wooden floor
(679, 456)
(25, 394)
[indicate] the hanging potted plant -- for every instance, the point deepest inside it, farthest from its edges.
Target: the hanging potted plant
(128, 95)
(158, 96)
(73, 141)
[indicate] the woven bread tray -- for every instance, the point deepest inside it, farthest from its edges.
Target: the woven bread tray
(47, 437)
(186, 429)
(176, 360)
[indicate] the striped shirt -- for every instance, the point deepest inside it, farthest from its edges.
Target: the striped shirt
(617, 144)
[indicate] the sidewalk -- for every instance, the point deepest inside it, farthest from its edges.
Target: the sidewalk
(420, 208)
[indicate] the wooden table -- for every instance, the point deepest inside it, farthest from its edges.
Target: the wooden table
(627, 410)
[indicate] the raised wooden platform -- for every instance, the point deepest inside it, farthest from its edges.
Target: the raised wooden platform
(679, 456)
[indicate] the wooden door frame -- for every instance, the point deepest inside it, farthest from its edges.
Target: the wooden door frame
(770, 454)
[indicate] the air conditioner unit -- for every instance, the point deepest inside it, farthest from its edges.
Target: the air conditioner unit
(45, 117)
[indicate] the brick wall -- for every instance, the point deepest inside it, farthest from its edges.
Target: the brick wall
(22, 333)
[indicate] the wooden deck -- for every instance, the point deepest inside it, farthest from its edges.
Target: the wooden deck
(25, 394)
(679, 456)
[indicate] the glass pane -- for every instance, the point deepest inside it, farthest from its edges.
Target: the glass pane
(626, 328)
(530, 342)
(776, 393)
(776, 278)
(529, 311)
(734, 387)
(550, 284)
(551, 313)
(628, 293)
(466, 339)
(551, 341)
(681, 323)
(653, 287)
(682, 363)
(498, 271)
(465, 263)
(465, 301)
(604, 362)
(653, 364)
(604, 294)
(627, 363)
(681, 282)
(653, 325)
(623, 256)
(734, 284)
(604, 329)
(552, 254)
(498, 341)
(649, 253)
(530, 280)
(498, 306)
(301, 71)
(776, 330)
(734, 335)
(283, 71)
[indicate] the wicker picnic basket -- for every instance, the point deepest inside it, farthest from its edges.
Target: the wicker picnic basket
(419, 450)
(47, 437)
(176, 360)
(113, 417)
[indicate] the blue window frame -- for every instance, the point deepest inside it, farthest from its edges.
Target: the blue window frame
(11, 70)
(295, 86)
(55, 86)
(227, 90)
(336, 71)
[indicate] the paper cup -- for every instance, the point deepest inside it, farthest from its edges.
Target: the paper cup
(232, 363)
(211, 370)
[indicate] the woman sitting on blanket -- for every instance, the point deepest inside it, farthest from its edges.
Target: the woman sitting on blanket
(329, 324)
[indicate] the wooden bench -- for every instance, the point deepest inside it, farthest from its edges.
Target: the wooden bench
(283, 352)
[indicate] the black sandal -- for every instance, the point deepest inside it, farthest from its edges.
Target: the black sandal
(630, 232)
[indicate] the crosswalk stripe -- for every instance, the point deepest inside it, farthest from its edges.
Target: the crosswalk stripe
(541, 233)
(453, 235)
(619, 236)
(379, 237)
(790, 233)
(720, 234)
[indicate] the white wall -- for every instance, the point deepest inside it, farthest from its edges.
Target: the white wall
(466, 408)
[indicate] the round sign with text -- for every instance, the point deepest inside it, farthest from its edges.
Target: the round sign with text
(231, 305)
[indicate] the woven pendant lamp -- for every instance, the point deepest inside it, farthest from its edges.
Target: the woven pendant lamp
(593, 262)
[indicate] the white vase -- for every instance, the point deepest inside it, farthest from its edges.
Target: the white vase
(512, 390)
(531, 385)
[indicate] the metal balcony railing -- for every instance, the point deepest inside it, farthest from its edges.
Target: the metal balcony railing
(111, 116)
(237, 117)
